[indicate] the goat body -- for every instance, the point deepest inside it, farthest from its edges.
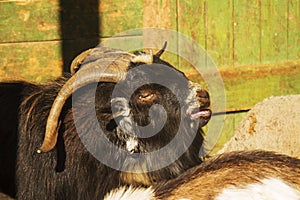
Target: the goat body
(235, 175)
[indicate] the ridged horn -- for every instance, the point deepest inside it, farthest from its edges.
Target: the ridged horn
(78, 61)
(160, 52)
(101, 65)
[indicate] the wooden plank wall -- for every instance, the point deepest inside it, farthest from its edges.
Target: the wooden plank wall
(254, 44)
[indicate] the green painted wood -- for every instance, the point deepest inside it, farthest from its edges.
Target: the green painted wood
(248, 84)
(31, 61)
(192, 19)
(293, 23)
(42, 61)
(161, 15)
(274, 31)
(191, 22)
(32, 21)
(247, 45)
(243, 32)
(219, 35)
(42, 20)
(118, 16)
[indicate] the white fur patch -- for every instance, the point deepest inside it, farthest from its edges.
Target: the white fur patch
(143, 58)
(273, 189)
(191, 100)
(130, 193)
(131, 144)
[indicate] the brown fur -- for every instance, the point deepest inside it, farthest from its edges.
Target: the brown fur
(207, 180)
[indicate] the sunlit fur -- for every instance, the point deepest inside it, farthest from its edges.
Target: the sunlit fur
(70, 171)
(130, 193)
(237, 175)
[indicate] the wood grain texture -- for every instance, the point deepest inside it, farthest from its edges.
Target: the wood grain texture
(247, 39)
(31, 21)
(34, 61)
(219, 34)
(273, 31)
(42, 20)
(160, 14)
(248, 84)
(191, 23)
(163, 16)
(293, 24)
(118, 16)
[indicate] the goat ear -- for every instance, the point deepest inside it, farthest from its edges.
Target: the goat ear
(160, 52)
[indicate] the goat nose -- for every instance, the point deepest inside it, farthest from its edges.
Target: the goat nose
(203, 98)
(202, 93)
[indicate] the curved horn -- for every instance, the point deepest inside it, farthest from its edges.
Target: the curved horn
(160, 52)
(98, 67)
(78, 61)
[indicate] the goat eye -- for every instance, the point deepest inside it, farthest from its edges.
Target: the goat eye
(146, 97)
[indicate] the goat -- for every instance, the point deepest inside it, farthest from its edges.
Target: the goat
(234, 175)
(71, 109)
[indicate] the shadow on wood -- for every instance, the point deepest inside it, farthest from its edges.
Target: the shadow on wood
(79, 21)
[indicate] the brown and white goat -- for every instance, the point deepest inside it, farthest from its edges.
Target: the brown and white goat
(236, 175)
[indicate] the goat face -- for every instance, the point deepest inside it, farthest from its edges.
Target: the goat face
(158, 115)
(155, 107)
(154, 103)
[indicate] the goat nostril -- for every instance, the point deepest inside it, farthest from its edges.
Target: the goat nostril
(203, 98)
(202, 94)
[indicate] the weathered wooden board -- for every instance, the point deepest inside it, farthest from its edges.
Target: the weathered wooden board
(192, 27)
(42, 61)
(236, 33)
(55, 20)
(118, 16)
(274, 31)
(293, 35)
(192, 21)
(248, 84)
(219, 33)
(34, 61)
(161, 15)
(29, 21)
(247, 38)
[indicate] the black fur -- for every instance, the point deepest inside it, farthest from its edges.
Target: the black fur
(70, 171)
(10, 99)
